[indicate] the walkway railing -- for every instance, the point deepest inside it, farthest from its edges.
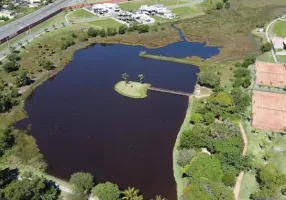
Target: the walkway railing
(174, 92)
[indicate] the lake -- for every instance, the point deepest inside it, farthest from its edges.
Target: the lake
(81, 124)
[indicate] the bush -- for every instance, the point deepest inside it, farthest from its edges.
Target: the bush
(248, 61)
(229, 179)
(102, 33)
(122, 29)
(67, 42)
(143, 28)
(283, 191)
(185, 156)
(196, 118)
(46, 64)
(82, 182)
(266, 47)
(13, 57)
(91, 32)
(106, 191)
(209, 79)
(111, 31)
(11, 66)
(23, 79)
(219, 5)
(83, 38)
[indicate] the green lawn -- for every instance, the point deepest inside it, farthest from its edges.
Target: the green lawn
(188, 11)
(105, 23)
(281, 59)
(134, 5)
(79, 14)
(248, 185)
(279, 28)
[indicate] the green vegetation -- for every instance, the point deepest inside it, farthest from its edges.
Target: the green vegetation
(105, 23)
(209, 79)
(29, 187)
(79, 14)
(279, 28)
(106, 191)
(82, 183)
(132, 89)
(266, 47)
(183, 12)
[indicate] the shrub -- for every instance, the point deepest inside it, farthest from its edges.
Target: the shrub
(122, 29)
(219, 5)
(106, 191)
(91, 32)
(209, 79)
(23, 79)
(102, 33)
(196, 118)
(229, 179)
(283, 191)
(11, 66)
(111, 31)
(13, 57)
(185, 156)
(82, 182)
(266, 47)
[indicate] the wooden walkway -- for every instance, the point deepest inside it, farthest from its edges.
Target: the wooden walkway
(174, 92)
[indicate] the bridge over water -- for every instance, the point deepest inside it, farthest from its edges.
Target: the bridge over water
(174, 92)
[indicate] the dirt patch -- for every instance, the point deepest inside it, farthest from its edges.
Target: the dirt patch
(269, 111)
(270, 74)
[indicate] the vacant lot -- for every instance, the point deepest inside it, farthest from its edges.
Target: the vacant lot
(188, 11)
(231, 28)
(79, 14)
(105, 23)
(269, 111)
(270, 74)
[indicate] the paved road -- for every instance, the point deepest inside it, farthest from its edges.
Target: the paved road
(13, 27)
(194, 2)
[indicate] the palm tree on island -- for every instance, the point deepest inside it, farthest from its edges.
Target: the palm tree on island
(141, 77)
(125, 77)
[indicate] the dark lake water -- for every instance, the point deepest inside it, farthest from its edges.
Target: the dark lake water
(81, 124)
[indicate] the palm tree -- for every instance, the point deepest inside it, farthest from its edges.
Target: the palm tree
(125, 77)
(140, 76)
(159, 197)
(131, 194)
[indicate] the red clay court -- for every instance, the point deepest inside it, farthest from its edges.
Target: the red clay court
(271, 74)
(269, 111)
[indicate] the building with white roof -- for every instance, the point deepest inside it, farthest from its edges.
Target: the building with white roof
(106, 8)
(6, 13)
(143, 18)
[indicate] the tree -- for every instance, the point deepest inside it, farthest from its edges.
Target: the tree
(102, 33)
(266, 47)
(11, 66)
(13, 57)
(5, 141)
(131, 194)
(141, 77)
(122, 29)
(125, 77)
(208, 79)
(82, 182)
(227, 5)
(248, 61)
(219, 5)
(46, 64)
(229, 179)
(196, 118)
(209, 118)
(283, 191)
(91, 32)
(207, 166)
(36, 188)
(23, 79)
(185, 156)
(106, 191)
(111, 31)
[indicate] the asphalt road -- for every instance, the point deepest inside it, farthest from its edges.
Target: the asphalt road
(13, 27)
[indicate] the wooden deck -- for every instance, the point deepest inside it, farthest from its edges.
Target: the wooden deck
(174, 92)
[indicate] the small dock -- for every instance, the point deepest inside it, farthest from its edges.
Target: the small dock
(174, 92)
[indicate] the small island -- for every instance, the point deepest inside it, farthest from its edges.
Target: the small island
(132, 89)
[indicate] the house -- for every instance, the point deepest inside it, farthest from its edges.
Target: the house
(35, 1)
(100, 9)
(104, 8)
(124, 16)
(143, 18)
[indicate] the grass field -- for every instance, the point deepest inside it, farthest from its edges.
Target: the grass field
(79, 14)
(134, 5)
(105, 23)
(188, 11)
(279, 28)
(248, 185)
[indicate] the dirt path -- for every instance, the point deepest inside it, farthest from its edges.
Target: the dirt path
(236, 189)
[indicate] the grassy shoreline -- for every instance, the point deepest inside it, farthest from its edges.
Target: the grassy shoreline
(176, 167)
